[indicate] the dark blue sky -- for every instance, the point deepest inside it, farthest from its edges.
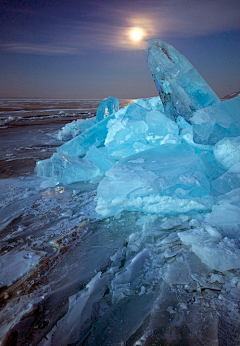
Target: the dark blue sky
(82, 49)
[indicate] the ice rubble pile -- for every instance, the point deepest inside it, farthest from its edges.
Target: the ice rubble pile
(179, 153)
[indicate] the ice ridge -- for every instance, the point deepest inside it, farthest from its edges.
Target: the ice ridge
(177, 153)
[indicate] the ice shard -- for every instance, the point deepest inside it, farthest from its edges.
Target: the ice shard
(100, 158)
(75, 128)
(181, 88)
(94, 135)
(67, 169)
(212, 124)
(227, 151)
(107, 107)
(228, 181)
(219, 254)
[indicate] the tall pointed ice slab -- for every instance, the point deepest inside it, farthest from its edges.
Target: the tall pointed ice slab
(181, 88)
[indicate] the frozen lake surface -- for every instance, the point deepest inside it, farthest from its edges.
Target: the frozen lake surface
(70, 277)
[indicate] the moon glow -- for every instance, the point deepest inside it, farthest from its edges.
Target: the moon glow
(136, 34)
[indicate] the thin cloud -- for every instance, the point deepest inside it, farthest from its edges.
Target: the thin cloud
(94, 36)
(166, 19)
(199, 18)
(186, 18)
(108, 24)
(28, 48)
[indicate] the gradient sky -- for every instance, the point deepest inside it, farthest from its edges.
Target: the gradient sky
(81, 49)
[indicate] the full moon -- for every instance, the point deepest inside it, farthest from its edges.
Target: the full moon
(136, 34)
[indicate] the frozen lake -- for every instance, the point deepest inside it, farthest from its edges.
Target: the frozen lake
(70, 277)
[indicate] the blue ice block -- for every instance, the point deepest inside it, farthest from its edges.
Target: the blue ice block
(79, 145)
(181, 88)
(67, 169)
(107, 107)
(212, 124)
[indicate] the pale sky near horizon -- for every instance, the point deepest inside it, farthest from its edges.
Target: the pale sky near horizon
(85, 49)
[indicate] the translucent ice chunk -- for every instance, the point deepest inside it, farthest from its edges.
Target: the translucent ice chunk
(183, 125)
(181, 88)
(226, 212)
(123, 136)
(74, 128)
(136, 111)
(160, 125)
(139, 130)
(200, 235)
(222, 256)
(99, 157)
(67, 169)
(151, 104)
(232, 197)
(177, 273)
(107, 107)
(228, 181)
(167, 179)
(79, 145)
(224, 215)
(213, 169)
(130, 273)
(216, 253)
(227, 151)
(79, 312)
(216, 122)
